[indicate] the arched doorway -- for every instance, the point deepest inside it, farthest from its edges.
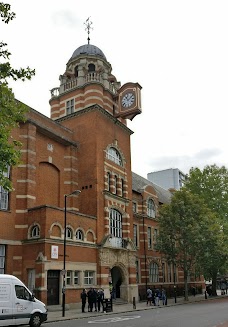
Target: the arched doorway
(117, 280)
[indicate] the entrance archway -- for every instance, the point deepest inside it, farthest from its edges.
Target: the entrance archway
(117, 280)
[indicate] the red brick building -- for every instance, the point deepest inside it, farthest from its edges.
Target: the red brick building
(112, 224)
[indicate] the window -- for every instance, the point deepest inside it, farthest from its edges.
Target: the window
(115, 223)
(35, 231)
(151, 208)
(149, 238)
(4, 195)
(169, 273)
(91, 68)
(79, 235)
(122, 186)
(115, 184)
(108, 181)
(76, 71)
(137, 271)
(89, 277)
(22, 293)
(76, 277)
(163, 272)
(2, 259)
(153, 273)
(70, 106)
(113, 154)
(135, 236)
(69, 233)
(134, 207)
(68, 277)
(155, 237)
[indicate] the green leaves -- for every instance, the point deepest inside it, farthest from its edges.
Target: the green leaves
(11, 111)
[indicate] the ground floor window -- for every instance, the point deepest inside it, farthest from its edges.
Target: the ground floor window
(89, 277)
(153, 273)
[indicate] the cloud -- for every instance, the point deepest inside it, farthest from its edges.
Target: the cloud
(65, 18)
(184, 162)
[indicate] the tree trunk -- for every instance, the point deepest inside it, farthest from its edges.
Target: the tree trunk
(214, 284)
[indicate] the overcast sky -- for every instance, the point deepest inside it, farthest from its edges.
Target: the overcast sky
(176, 50)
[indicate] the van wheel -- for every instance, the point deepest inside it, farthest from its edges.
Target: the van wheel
(35, 320)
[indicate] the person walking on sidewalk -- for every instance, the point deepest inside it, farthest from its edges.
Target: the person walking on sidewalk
(163, 297)
(100, 300)
(149, 296)
(83, 298)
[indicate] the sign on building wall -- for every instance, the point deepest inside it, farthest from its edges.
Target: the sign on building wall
(54, 252)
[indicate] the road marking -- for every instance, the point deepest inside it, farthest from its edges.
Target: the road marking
(113, 319)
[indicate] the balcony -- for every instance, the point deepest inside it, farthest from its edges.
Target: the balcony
(70, 84)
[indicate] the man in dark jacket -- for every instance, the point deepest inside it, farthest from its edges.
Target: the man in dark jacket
(83, 298)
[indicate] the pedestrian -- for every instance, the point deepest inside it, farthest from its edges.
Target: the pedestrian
(94, 299)
(113, 293)
(100, 300)
(149, 296)
(163, 297)
(83, 298)
(157, 297)
(90, 299)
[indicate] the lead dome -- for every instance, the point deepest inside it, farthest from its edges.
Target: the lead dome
(88, 49)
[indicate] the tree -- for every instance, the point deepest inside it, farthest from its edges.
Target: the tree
(183, 226)
(11, 111)
(211, 185)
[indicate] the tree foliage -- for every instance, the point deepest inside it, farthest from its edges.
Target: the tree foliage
(183, 226)
(211, 186)
(11, 110)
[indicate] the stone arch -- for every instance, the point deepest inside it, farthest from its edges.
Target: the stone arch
(90, 236)
(120, 278)
(56, 230)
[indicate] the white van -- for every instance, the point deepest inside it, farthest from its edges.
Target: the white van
(17, 304)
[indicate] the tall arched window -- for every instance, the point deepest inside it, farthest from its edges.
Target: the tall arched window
(151, 208)
(69, 233)
(115, 223)
(114, 155)
(35, 231)
(79, 235)
(153, 273)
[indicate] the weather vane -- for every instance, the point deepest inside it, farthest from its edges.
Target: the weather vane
(88, 27)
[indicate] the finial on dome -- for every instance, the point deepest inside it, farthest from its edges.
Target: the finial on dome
(88, 27)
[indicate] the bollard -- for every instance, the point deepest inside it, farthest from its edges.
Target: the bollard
(134, 303)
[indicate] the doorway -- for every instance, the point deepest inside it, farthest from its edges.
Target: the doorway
(53, 287)
(117, 280)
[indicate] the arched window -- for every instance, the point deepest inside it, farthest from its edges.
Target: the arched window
(114, 155)
(91, 68)
(153, 273)
(69, 233)
(115, 218)
(35, 231)
(79, 235)
(76, 71)
(151, 208)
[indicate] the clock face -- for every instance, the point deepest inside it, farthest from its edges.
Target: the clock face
(128, 100)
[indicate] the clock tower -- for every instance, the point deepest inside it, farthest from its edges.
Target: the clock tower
(95, 107)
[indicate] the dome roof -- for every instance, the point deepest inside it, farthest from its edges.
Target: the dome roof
(88, 49)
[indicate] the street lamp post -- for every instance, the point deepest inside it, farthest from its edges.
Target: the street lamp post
(64, 251)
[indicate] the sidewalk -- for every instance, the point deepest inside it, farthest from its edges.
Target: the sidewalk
(120, 308)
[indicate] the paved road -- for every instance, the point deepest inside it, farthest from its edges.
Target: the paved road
(54, 316)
